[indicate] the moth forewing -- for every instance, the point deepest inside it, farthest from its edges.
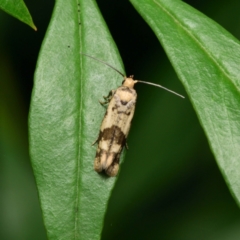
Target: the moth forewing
(115, 128)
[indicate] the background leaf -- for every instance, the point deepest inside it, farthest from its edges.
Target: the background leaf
(206, 59)
(18, 10)
(65, 119)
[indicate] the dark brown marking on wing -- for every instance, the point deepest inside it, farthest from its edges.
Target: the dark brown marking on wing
(98, 153)
(126, 89)
(107, 134)
(124, 102)
(119, 136)
(124, 112)
(115, 107)
(112, 170)
(114, 134)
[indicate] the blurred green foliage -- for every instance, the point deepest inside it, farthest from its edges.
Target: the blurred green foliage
(184, 196)
(19, 10)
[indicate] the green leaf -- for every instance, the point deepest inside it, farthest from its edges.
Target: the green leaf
(18, 10)
(206, 59)
(65, 118)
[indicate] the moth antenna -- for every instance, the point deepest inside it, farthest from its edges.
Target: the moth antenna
(96, 59)
(149, 83)
(157, 85)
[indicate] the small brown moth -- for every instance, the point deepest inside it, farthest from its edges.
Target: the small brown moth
(116, 123)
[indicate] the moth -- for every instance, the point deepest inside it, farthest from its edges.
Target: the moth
(116, 123)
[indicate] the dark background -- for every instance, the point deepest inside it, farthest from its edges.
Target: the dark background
(170, 186)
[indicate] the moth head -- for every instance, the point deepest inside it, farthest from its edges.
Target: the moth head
(129, 82)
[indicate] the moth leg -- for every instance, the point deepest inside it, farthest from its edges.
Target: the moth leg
(98, 138)
(110, 94)
(126, 145)
(103, 103)
(108, 97)
(95, 142)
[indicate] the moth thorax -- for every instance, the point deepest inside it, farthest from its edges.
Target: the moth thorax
(129, 82)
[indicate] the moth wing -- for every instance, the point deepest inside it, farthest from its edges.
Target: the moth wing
(114, 130)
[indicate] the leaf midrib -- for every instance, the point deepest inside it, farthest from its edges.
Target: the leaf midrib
(79, 126)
